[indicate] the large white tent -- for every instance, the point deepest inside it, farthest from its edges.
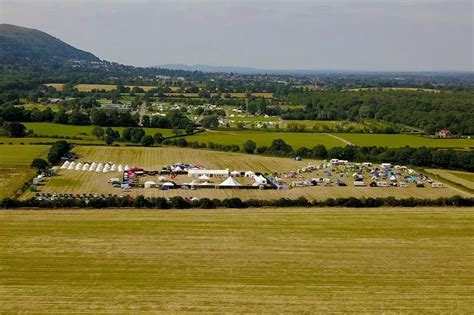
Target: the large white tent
(65, 165)
(260, 179)
(72, 166)
(230, 182)
(120, 168)
(113, 168)
(149, 184)
(204, 177)
(79, 166)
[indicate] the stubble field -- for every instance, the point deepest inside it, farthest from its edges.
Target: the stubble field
(253, 261)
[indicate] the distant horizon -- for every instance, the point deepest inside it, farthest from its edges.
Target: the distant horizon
(312, 70)
(318, 35)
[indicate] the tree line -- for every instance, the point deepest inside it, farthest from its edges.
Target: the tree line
(236, 203)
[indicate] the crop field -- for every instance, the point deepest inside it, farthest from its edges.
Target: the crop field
(56, 86)
(15, 168)
(50, 129)
(263, 138)
(237, 261)
(401, 140)
(464, 179)
(77, 182)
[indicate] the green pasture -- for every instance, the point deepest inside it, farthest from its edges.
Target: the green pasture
(401, 140)
(263, 138)
(16, 154)
(272, 261)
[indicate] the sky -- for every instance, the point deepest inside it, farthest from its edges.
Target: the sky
(401, 35)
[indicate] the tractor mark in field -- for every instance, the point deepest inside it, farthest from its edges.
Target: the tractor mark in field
(340, 139)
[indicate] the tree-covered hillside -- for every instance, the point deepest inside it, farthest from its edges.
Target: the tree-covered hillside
(20, 43)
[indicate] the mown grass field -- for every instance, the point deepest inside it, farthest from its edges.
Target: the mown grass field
(69, 181)
(50, 129)
(237, 261)
(15, 168)
(263, 138)
(401, 140)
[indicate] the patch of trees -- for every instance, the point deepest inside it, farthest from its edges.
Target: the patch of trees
(233, 203)
(57, 151)
(425, 110)
(14, 129)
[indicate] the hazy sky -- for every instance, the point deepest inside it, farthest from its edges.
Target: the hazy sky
(296, 34)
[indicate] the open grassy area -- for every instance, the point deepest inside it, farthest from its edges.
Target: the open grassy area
(49, 129)
(234, 261)
(15, 168)
(21, 154)
(70, 181)
(401, 140)
(263, 138)
(31, 106)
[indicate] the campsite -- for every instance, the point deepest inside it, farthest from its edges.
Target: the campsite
(164, 172)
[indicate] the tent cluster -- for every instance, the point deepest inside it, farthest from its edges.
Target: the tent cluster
(94, 167)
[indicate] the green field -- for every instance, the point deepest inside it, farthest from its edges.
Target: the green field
(20, 154)
(263, 138)
(31, 106)
(50, 129)
(15, 168)
(234, 261)
(401, 140)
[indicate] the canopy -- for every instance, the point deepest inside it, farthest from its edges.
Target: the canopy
(120, 168)
(170, 184)
(235, 173)
(249, 174)
(230, 182)
(204, 177)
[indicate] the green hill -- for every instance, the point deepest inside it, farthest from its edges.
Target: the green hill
(20, 43)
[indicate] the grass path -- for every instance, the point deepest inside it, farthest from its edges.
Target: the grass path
(340, 139)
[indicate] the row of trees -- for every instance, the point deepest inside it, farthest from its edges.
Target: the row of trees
(426, 157)
(206, 203)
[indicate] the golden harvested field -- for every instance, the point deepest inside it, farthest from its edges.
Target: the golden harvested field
(237, 261)
(69, 181)
(465, 179)
(56, 86)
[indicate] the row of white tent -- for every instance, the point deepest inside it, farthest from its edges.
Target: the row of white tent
(94, 167)
(229, 182)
